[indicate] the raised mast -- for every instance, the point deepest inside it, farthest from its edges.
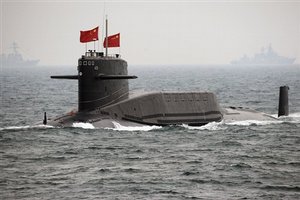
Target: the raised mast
(106, 40)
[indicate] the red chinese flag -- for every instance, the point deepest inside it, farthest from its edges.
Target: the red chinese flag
(90, 35)
(113, 41)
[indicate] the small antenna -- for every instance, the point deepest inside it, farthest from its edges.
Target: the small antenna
(106, 39)
(103, 19)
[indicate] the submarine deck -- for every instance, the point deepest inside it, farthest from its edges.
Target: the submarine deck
(106, 117)
(243, 114)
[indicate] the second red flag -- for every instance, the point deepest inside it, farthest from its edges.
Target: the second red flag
(112, 41)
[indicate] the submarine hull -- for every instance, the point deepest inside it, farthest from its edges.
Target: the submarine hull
(104, 98)
(99, 120)
(158, 108)
(243, 114)
(105, 121)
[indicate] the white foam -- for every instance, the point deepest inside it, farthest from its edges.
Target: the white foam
(25, 127)
(119, 127)
(292, 118)
(83, 125)
(295, 115)
(252, 122)
(212, 126)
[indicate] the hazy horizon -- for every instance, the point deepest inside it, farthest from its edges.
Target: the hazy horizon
(153, 33)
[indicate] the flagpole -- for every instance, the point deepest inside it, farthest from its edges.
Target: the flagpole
(85, 47)
(106, 41)
(103, 19)
(119, 46)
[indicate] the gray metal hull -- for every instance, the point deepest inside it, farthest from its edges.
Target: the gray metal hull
(102, 121)
(244, 114)
(104, 99)
(158, 108)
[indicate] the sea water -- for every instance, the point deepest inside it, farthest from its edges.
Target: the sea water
(234, 160)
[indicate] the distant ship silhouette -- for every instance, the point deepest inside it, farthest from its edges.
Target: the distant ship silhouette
(268, 57)
(16, 59)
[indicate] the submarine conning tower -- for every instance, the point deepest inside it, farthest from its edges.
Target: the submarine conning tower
(102, 80)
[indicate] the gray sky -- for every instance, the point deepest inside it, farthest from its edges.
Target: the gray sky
(157, 32)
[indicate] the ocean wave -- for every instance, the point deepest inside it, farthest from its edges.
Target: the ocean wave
(119, 127)
(26, 127)
(241, 165)
(83, 125)
(252, 122)
(212, 126)
(282, 188)
(293, 117)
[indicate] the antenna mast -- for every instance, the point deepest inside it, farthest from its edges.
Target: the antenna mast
(106, 40)
(103, 19)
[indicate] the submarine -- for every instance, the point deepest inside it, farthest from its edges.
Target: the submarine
(104, 99)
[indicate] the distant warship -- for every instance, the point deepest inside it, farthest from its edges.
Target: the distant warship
(104, 99)
(266, 57)
(15, 59)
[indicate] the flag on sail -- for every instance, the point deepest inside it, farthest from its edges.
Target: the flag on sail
(89, 35)
(112, 41)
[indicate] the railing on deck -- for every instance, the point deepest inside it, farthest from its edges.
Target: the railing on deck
(91, 53)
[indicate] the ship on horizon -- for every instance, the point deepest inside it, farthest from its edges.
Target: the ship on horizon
(15, 59)
(265, 57)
